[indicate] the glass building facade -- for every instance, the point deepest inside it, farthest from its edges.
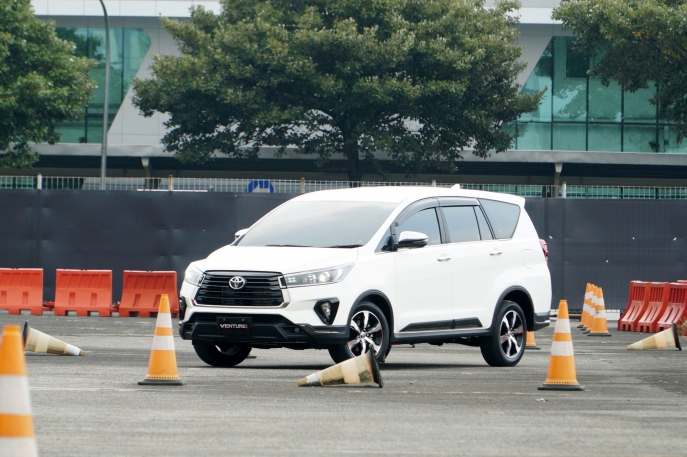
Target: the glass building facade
(579, 113)
(128, 47)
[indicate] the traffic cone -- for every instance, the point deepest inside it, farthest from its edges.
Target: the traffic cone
(529, 342)
(35, 341)
(162, 368)
(358, 370)
(668, 338)
(599, 325)
(16, 425)
(561, 375)
(593, 303)
(585, 306)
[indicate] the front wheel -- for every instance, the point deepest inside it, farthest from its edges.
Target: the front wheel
(505, 347)
(221, 355)
(368, 329)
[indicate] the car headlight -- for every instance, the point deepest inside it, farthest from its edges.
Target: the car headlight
(193, 275)
(317, 277)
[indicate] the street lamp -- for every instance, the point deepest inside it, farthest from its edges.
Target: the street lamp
(106, 101)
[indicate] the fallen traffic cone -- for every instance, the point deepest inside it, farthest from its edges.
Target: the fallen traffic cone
(529, 342)
(162, 368)
(35, 341)
(668, 338)
(358, 370)
(599, 325)
(16, 425)
(585, 307)
(561, 375)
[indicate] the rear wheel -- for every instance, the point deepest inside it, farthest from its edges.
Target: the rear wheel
(221, 355)
(368, 329)
(505, 347)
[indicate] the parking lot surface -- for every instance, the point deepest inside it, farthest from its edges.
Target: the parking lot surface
(435, 401)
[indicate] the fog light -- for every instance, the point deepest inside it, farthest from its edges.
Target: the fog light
(326, 310)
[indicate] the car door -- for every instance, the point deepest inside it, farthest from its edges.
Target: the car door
(476, 262)
(423, 276)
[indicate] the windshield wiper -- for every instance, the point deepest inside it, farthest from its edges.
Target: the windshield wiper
(287, 246)
(346, 246)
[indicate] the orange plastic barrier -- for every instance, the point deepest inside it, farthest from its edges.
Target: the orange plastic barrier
(21, 289)
(676, 311)
(83, 291)
(658, 301)
(682, 281)
(142, 290)
(636, 305)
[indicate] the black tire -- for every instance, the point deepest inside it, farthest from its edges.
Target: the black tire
(356, 345)
(225, 355)
(505, 347)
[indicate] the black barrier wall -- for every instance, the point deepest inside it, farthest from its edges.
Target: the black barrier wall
(606, 242)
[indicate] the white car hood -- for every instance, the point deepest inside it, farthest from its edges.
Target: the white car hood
(278, 259)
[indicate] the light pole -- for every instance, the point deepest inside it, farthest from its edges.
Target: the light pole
(106, 101)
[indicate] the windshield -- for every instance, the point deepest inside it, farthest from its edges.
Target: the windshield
(321, 224)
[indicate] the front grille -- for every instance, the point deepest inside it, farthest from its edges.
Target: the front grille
(261, 289)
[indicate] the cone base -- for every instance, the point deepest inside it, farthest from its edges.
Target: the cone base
(581, 326)
(375, 368)
(599, 334)
(560, 387)
(161, 382)
(587, 332)
(536, 348)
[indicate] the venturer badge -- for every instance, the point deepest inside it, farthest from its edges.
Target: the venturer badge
(234, 325)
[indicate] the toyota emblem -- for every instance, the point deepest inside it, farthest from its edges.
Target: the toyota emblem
(237, 282)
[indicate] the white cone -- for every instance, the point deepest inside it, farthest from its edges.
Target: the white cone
(36, 341)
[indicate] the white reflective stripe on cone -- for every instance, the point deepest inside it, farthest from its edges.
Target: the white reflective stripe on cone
(24, 447)
(562, 326)
(164, 320)
(163, 343)
(14, 396)
(562, 348)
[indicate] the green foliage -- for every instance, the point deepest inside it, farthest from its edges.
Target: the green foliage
(421, 80)
(635, 42)
(41, 82)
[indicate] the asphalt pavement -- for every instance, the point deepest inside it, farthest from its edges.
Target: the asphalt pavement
(435, 401)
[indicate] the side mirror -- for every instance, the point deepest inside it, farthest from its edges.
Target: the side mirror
(240, 233)
(412, 240)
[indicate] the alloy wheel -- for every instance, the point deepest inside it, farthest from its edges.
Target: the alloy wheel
(366, 331)
(511, 334)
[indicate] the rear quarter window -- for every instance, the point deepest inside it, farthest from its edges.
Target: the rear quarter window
(502, 216)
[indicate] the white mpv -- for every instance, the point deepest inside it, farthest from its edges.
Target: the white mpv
(354, 269)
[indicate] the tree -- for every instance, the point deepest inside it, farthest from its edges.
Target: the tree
(635, 42)
(41, 82)
(420, 80)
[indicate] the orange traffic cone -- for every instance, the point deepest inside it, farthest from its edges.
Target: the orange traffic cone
(162, 368)
(599, 325)
(585, 306)
(529, 342)
(561, 375)
(16, 426)
(591, 309)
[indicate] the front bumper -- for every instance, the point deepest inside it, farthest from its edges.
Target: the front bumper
(268, 331)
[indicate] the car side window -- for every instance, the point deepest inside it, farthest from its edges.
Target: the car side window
(502, 216)
(424, 221)
(462, 224)
(484, 229)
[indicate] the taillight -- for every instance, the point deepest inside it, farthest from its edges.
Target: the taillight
(545, 248)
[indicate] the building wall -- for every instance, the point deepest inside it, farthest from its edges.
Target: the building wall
(132, 135)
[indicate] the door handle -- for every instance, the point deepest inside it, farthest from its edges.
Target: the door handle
(443, 258)
(496, 252)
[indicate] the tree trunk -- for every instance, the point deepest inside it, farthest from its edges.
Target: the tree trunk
(350, 149)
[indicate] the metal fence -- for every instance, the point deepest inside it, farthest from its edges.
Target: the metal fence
(304, 186)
